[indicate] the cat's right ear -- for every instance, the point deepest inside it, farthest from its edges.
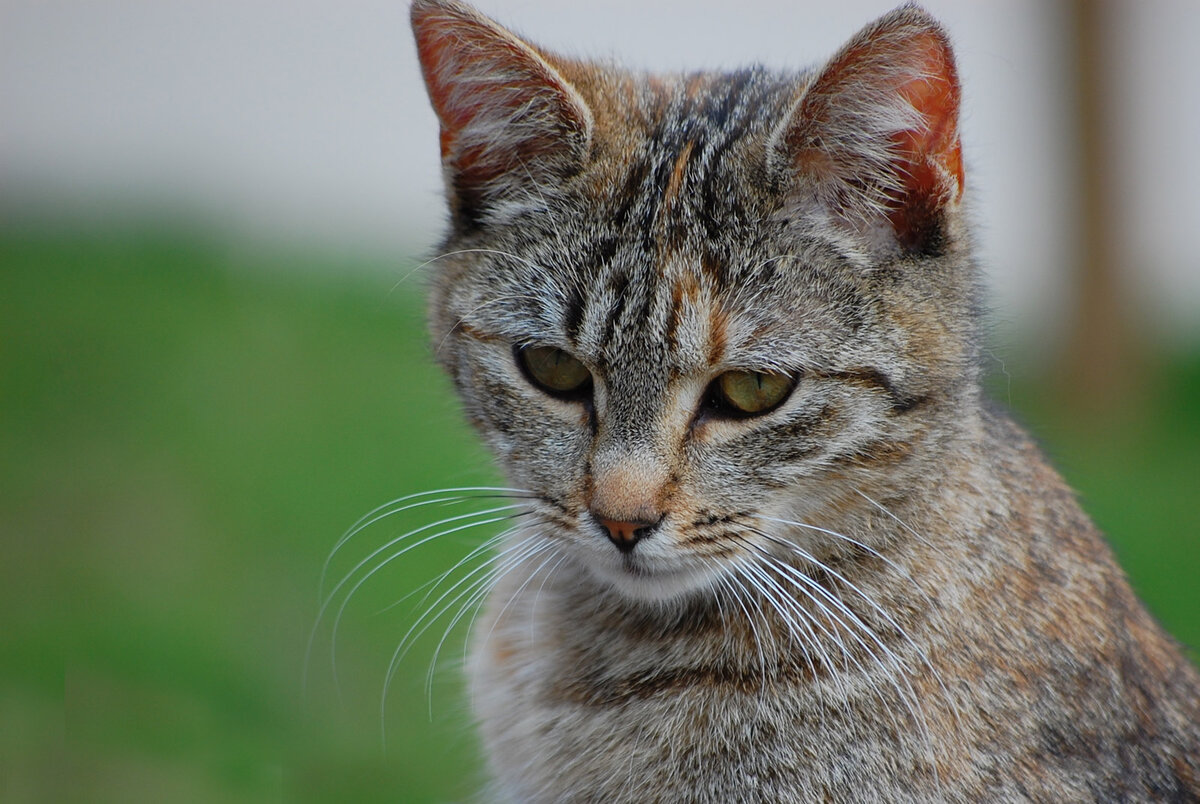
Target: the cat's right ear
(509, 120)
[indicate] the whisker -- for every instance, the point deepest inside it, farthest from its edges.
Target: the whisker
(545, 545)
(891, 564)
(821, 590)
(896, 666)
(920, 537)
(929, 665)
(493, 568)
(744, 570)
(440, 534)
(807, 621)
(737, 598)
(474, 571)
(901, 570)
(835, 675)
(477, 608)
(791, 613)
(902, 669)
(432, 584)
(542, 547)
(429, 526)
(809, 557)
(460, 494)
(538, 594)
(425, 539)
(474, 593)
(840, 536)
(765, 585)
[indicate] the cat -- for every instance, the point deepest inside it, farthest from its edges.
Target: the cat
(770, 542)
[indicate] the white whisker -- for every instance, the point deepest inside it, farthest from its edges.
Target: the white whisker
(782, 602)
(840, 604)
(797, 579)
(546, 545)
(461, 494)
(539, 547)
(469, 597)
(737, 598)
(538, 594)
(895, 518)
(891, 564)
(901, 670)
(430, 585)
(488, 519)
(432, 613)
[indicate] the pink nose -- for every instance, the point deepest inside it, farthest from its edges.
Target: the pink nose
(624, 534)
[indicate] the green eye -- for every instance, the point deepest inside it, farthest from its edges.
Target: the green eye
(750, 393)
(554, 371)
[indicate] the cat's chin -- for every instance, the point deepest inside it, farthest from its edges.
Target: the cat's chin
(653, 585)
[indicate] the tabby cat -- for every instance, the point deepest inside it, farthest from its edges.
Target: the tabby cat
(770, 542)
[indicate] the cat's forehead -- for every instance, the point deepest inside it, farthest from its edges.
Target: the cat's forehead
(671, 308)
(686, 149)
(669, 246)
(708, 109)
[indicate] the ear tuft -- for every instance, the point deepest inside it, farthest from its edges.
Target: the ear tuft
(508, 118)
(876, 132)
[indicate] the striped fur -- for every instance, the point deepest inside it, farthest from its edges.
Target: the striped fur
(877, 590)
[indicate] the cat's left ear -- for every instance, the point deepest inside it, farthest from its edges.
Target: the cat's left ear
(508, 118)
(874, 138)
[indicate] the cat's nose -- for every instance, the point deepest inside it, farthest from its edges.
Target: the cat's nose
(624, 534)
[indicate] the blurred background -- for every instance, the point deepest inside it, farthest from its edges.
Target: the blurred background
(213, 360)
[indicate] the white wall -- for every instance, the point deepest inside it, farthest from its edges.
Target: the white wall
(306, 121)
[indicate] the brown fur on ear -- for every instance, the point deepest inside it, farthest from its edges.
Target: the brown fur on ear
(877, 130)
(507, 116)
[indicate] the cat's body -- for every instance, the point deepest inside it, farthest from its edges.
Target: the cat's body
(1015, 694)
(775, 546)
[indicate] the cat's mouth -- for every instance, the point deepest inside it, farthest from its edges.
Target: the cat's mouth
(651, 580)
(630, 564)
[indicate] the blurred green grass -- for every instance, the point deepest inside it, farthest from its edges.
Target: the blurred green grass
(186, 428)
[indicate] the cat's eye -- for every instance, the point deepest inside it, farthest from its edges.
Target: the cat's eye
(749, 393)
(554, 371)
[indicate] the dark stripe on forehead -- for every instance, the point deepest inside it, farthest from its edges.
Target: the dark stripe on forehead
(713, 269)
(676, 180)
(631, 192)
(619, 286)
(680, 173)
(573, 313)
(731, 98)
(597, 260)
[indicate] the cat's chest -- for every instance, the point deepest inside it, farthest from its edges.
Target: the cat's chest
(585, 708)
(682, 735)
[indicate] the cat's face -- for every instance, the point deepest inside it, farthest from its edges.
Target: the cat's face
(698, 318)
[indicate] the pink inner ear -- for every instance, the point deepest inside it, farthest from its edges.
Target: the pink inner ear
(930, 155)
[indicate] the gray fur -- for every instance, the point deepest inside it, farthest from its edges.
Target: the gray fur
(877, 591)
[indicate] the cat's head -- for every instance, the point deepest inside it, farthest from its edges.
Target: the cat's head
(681, 309)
